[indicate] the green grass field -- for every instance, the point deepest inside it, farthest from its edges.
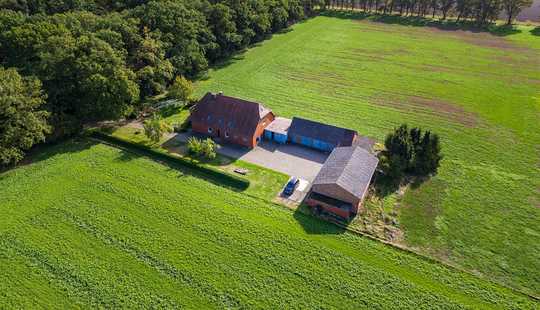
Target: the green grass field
(480, 92)
(88, 225)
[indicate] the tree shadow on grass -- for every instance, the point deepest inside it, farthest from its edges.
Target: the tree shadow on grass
(43, 152)
(536, 31)
(384, 185)
(417, 21)
(315, 226)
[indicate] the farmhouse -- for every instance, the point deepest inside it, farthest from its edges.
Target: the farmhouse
(230, 119)
(342, 183)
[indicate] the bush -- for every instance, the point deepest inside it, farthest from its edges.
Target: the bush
(155, 127)
(199, 148)
(209, 148)
(194, 146)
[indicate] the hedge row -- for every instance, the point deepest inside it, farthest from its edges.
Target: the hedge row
(210, 174)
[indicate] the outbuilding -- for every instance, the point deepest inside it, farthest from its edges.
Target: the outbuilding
(230, 119)
(342, 184)
(278, 130)
(319, 136)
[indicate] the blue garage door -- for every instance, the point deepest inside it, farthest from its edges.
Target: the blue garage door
(306, 141)
(323, 146)
(280, 138)
(268, 134)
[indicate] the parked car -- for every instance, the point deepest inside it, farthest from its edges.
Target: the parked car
(291, 186)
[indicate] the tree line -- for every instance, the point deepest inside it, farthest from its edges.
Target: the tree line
(481, 12)
(66, 63)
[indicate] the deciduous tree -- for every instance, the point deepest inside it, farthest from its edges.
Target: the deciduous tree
(155, 128)
(181, 89)
(23, 123)
(513, 7)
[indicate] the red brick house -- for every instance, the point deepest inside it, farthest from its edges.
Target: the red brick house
(342, 184)
(230, 119)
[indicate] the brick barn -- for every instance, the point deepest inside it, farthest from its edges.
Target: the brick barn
(341, 185)
(230, 119)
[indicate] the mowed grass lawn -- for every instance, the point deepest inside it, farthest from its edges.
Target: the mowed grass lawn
(88, 225)
(478, 91)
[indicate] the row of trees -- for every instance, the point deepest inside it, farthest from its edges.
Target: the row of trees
(92, 60)
(480, 11)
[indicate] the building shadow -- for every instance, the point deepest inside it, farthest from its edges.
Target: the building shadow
(315, 226)
(418, 21)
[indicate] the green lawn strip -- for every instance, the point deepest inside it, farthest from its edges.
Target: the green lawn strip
(263, 183)
(210, 173)
(120, 216)
(477, 91)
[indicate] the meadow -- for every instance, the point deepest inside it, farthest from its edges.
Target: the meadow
(479, 91)
(89, 225)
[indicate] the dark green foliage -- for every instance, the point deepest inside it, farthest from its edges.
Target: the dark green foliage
(104, 87)
(99, 60)
(96, 67)
(427, 155)
(183, 31)
(399, 153)
(410, 152)
(22, 123)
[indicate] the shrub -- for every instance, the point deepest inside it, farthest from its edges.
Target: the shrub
(199, 148)
(209, 148)
(155, 127)
(194, 146)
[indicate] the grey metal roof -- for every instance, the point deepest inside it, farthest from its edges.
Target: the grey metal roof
(349, 167)
(323, 132)
(280, 125)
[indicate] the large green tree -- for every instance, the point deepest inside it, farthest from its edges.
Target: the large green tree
(22, 122)
(182, 29)
(85, 80)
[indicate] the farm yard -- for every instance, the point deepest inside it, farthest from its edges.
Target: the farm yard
(86, 224)
(106, 228)
(479, 91)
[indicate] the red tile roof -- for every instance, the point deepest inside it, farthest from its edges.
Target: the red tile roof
(237, 116)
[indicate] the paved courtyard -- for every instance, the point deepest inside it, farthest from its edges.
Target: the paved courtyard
(292, 160)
